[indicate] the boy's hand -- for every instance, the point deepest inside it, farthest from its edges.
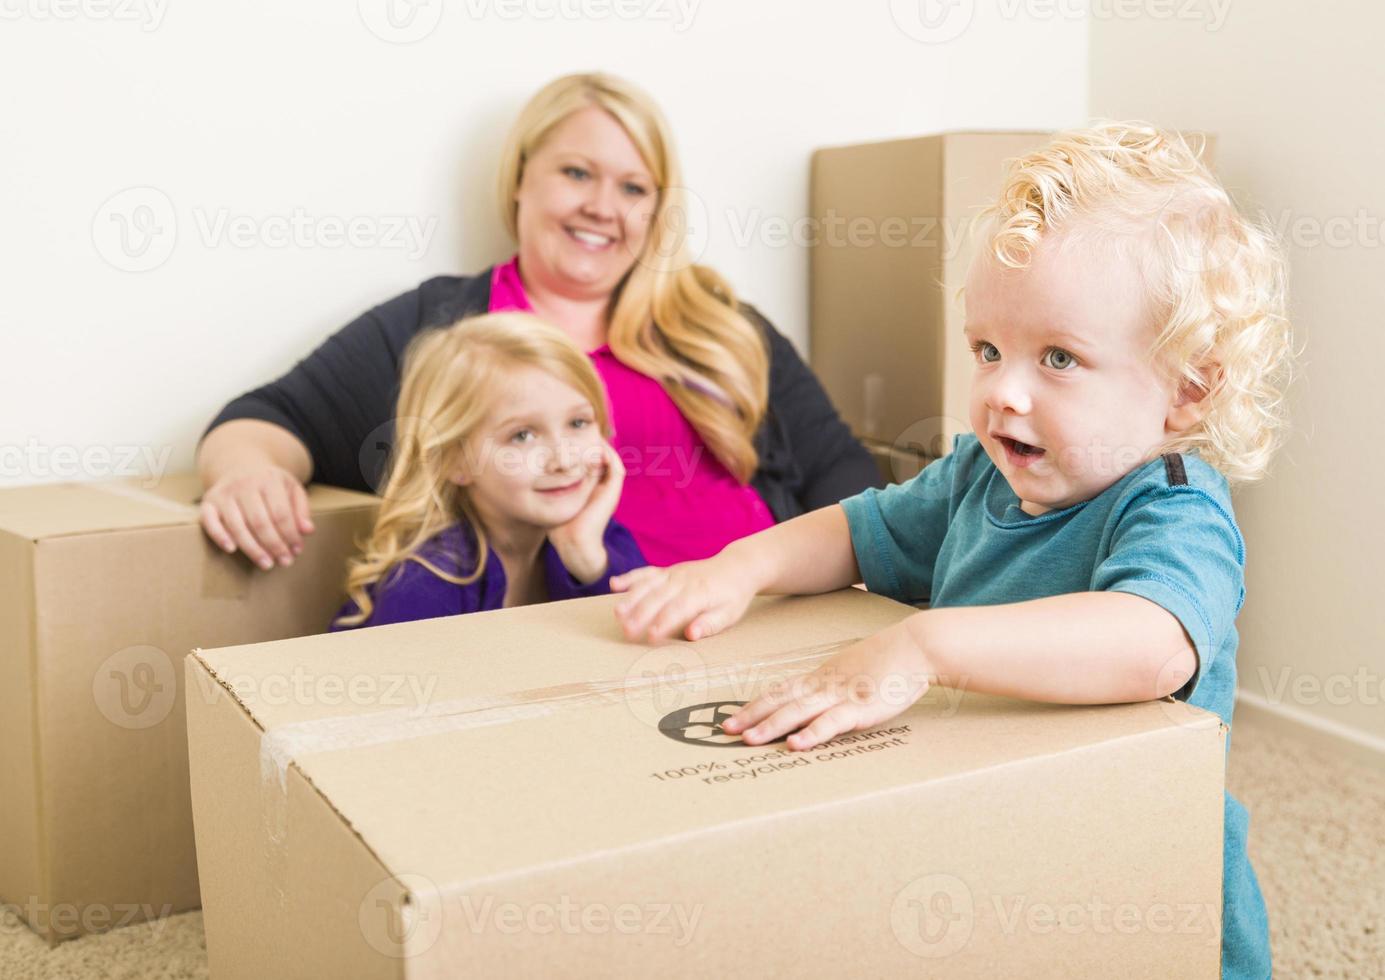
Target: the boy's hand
(696, 598)
(580, 542)
(866, 684)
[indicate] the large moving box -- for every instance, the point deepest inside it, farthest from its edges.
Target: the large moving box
(106, 587)
(522, 793)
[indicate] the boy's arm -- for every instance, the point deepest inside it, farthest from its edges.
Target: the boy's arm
(1080, 648)
(889, 537)
(811, 553)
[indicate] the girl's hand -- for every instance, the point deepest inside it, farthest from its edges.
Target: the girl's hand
(864, 685)
(698, 598)
(263, 510)
(580, 542)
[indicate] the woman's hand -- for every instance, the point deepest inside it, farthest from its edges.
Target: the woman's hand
(696, 598)
(864, 685)
(261, 509)
(580, 542)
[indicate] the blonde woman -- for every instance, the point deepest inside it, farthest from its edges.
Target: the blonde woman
(721, 427)
(501, 485)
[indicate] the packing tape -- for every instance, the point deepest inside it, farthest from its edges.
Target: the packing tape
(224, 576)
(283, 745)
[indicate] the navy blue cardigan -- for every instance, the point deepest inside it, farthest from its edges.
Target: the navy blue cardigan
(339, 401)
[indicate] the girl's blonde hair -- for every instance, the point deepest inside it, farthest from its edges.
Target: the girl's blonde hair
(669, 319)
(450, 377)
(1216, 280)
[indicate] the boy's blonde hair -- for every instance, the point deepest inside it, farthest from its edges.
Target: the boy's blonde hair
(450, 377)
(670, 319)
(1216, 280)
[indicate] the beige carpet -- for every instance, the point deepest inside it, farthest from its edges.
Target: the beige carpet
(169, 949)
(1317, 842)
(1317, 839)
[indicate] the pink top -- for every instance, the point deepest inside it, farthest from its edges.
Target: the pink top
(678, 501)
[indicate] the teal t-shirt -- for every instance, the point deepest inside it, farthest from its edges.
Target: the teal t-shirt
(955, 536)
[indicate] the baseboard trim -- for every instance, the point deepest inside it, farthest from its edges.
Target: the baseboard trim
(1338, 739)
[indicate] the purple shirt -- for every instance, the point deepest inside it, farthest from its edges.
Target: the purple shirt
(409, 591)
(678, 500)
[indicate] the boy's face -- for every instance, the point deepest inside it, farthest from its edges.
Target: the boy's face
(1064, 399)
(537, 456)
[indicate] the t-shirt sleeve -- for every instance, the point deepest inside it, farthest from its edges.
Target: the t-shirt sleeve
(1179, 547)
(897, 532)
(339, 399)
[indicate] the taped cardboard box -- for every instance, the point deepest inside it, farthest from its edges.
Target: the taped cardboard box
(106, 587)
(521, 793)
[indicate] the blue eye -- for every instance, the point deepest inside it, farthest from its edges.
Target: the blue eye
(581, 423)
(576, 173)
(1059, 359)
(635, 190)
(983, 351)
(520, 436)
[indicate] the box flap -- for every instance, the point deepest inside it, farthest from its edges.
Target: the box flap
(56, 509)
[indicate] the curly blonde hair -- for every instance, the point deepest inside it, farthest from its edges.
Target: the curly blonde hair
(1216, 280)
(450, 377)
(670, 319)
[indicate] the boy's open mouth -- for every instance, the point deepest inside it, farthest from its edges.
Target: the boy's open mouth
(1020, 451)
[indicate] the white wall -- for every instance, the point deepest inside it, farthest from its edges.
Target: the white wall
(256, 112)
(1293, 93)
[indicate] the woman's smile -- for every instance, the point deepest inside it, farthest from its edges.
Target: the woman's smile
(591, 240)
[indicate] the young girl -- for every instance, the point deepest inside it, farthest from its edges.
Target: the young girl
(502, 483)
(1131, 347)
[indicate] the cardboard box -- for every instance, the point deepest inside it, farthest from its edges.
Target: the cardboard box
(894, 243)
(885, 325)
(521, 793)
(106, 587)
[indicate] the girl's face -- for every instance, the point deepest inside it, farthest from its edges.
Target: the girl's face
(586, 200)
(536, 458)
(1062, 367)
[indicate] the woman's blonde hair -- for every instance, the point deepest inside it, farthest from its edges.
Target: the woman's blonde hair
(669, 319)
(1216, 280)
(450, 377)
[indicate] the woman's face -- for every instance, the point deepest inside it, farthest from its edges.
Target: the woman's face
(586, 200)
